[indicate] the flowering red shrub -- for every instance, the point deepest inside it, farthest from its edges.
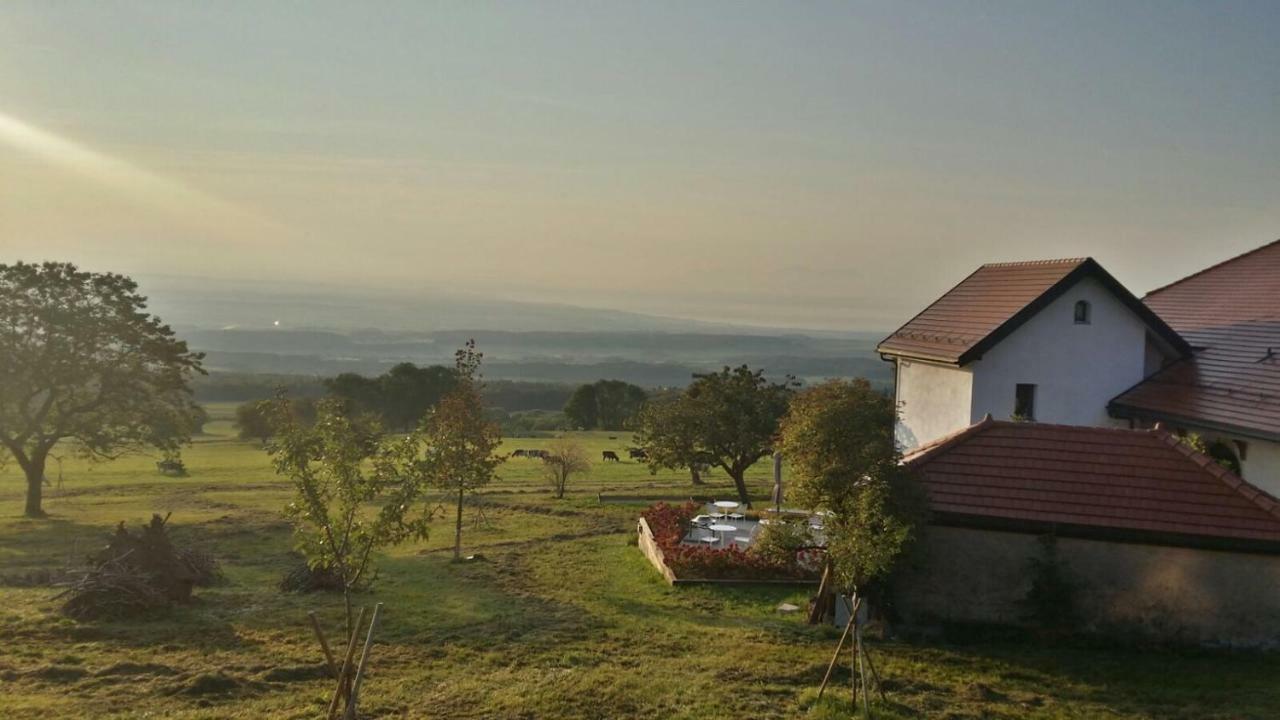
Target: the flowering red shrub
(669, 526)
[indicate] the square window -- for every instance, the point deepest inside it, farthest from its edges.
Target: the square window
(1024, 402)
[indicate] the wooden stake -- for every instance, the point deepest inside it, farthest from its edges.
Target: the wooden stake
(853, 658)
(820, 600)
(324, 645)
(874, 674)
(354, 698)
(346, 666)
(835, 658)
(860, 652)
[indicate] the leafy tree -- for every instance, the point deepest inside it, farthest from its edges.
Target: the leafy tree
(668, 430)
(354, 493)
(358, 393)
(582, 409)
(838, 440)
(727, 419)
(566, 458)
(604, 405)
(407, 392)
(254, 420)
(81, 360)
(461, 441)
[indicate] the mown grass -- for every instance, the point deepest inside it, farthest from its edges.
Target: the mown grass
(563, 619)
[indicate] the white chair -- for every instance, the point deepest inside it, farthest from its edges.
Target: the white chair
(735, 515)
(742, 540)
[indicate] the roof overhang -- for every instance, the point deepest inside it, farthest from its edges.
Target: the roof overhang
(1104, 533)
(1132, 412)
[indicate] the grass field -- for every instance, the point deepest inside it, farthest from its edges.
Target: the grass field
(564, 619)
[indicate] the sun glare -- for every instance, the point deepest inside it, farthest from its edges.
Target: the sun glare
(127, 179)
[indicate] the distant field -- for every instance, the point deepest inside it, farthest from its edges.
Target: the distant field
(563, 620)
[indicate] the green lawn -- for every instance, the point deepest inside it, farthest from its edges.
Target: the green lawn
(564, 619)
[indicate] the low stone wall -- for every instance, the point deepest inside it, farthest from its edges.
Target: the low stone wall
(650, 548)
(1171, 593)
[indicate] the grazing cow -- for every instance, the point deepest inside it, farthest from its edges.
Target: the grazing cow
(537, 454)
(610, 455)
(520, 453)
(638, 454)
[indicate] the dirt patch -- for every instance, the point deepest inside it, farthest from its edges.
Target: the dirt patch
(210, 684)
(295, 673)
(983, 692)
(57, 673)
(132, 668)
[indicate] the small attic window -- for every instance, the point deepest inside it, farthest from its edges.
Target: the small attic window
(1082, 312)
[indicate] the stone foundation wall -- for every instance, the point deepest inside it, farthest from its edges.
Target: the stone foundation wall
(1171, 593)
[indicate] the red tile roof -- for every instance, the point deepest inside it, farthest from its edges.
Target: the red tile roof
(993, 302)
(1231, 312)
(1141, 482)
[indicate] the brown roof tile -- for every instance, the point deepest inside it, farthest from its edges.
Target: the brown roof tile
(1139, 481)
(1231, 313)
(994, 301)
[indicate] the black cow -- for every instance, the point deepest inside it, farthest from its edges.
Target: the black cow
(610, 455)
(520, 453)
(638, 454)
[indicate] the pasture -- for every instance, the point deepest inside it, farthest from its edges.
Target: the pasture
(562, 619)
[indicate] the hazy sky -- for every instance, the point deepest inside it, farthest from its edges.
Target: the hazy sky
(812, 164)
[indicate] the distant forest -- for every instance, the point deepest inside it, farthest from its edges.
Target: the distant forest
(511, 396)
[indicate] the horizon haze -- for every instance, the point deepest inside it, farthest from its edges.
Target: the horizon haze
(827, 166)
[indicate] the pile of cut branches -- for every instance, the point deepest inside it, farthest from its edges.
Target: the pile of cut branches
(137, 573)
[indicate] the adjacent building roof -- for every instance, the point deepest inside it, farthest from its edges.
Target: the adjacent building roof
(1137, 485)
(994, 301)
(1231, 313)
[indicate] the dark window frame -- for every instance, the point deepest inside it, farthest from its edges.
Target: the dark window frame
(1024, 401)
(1083, 313)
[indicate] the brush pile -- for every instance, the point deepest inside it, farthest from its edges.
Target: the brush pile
(137, 573)
(302, 578)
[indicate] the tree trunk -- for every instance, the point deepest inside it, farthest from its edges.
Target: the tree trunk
(695, 476)
(740, 482)
(33, 467)
(457, 529)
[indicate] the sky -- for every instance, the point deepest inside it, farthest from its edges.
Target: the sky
(823, 165)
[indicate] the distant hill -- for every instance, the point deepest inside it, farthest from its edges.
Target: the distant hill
(324, 331)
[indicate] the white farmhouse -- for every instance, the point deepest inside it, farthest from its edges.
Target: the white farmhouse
(1063, 342)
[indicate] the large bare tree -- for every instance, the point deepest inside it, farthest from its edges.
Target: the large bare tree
(83, 363)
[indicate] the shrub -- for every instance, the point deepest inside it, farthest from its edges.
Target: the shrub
(781, 542)
(1050, 603)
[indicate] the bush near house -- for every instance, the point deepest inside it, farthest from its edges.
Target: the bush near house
(669, 524)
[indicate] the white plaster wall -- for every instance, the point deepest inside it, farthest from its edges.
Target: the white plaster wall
(933, 400)
(1261, 464)
(1077, 368)
(1262, 468)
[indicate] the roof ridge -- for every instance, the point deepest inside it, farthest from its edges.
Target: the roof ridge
(1061, 426)
(1214, 266)
(1025, 263)
(1244, 488)
(946, 441)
